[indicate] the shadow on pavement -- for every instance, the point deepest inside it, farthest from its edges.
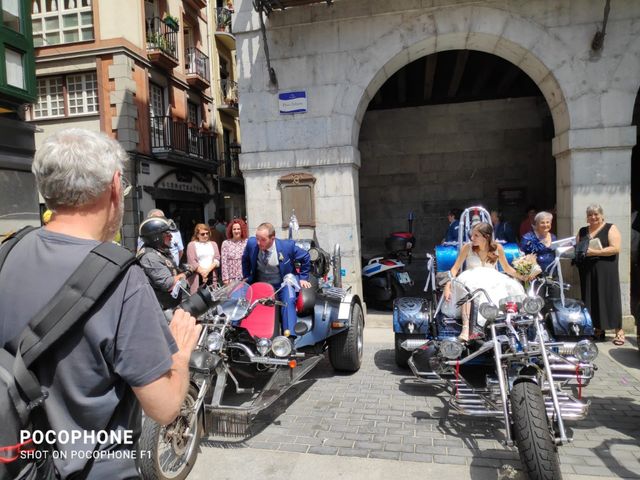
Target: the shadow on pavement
(385, 360)
(627, 356)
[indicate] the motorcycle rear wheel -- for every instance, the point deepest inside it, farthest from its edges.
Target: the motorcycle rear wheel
(167, 454)
(538, 452)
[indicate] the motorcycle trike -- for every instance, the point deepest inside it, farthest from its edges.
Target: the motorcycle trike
(243, 363)
(527, 364)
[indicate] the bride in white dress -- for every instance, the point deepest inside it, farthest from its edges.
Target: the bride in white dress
(480, 258)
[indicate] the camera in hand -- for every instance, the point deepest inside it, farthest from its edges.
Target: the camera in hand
(198, 303)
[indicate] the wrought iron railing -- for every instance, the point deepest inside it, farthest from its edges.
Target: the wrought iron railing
(229, 165)
(229, 91)
(197, 63)
(161, 37)
(223, 19)
(168, 134)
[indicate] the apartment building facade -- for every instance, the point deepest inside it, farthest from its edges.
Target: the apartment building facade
(144, 72)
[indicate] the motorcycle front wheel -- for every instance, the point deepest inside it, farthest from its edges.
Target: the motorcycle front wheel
(168, 452)
(536, 447)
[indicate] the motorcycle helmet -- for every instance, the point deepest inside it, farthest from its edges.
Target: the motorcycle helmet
(152, 231)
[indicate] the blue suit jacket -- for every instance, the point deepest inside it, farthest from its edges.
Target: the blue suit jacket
(288, 254)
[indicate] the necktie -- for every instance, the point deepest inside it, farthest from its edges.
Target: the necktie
(264, 257)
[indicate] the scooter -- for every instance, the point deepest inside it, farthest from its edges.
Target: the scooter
(384, 277)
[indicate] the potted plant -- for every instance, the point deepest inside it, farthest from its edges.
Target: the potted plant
(171, 21)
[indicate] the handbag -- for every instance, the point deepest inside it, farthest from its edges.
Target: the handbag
(581, 250)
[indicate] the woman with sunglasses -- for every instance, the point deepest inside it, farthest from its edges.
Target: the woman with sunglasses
(204, 257)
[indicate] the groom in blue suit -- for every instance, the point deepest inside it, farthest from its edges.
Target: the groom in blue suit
(268, 259)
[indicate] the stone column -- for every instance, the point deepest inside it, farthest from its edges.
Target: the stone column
(336, 193)
(594, 166)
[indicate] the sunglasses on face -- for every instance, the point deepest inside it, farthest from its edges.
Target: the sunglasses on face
(206, 234)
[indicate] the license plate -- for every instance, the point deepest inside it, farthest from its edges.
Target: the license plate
(403, 277)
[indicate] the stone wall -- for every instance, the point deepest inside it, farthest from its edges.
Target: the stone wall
(341, 55)
(430, 159)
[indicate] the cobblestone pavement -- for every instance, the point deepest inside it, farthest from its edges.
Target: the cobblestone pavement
(380, 412)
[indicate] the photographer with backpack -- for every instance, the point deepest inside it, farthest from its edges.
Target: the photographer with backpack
(84, 320)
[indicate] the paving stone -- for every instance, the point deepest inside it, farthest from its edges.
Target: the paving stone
(449, 459)
(369, 445)
(337, 442)
(323, 450)
(416, 457)
(431, 449)
(384, 454)
(293, 447)
(396, 447)
(353, 452)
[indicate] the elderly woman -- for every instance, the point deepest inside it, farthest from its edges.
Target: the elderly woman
(539, 240)
(599, 279)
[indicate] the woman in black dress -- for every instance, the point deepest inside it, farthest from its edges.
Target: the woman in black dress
(599, 279)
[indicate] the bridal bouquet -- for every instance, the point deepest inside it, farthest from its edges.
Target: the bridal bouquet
(527, 265)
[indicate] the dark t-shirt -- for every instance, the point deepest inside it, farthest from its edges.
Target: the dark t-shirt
(126, 342)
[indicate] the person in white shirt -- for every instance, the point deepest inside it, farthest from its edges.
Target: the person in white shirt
(203, 256)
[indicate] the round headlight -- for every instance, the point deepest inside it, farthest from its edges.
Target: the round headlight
(214, 341)
(488, 311)
(533, 305)
(263, 345)
(451, 348)
(585, 351)
(281, 346)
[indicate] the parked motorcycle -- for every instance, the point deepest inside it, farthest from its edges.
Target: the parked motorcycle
(384, 277)
(242, 364)
(517, 370)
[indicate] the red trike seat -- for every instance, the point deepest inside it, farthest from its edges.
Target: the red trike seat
(262, 322)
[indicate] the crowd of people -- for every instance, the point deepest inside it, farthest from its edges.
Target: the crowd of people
(597, 252)
(125, 356)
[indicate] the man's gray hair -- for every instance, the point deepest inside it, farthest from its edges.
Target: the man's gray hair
(74, 167)
(595, 208)
(542, 216)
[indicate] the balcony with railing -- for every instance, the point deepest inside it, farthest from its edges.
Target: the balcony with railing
(177, 140)
(224, 32)
(197, 68)
(162, 43)
(229, 97)
(229, 167)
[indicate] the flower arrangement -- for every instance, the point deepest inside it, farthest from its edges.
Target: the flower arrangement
(527, 265)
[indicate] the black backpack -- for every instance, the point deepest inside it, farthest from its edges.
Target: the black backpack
(21, 396)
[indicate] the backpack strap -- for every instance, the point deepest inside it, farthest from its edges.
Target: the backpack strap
(9, 242)
(97, 272)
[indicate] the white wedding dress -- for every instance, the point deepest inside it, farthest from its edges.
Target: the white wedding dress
(479, 274)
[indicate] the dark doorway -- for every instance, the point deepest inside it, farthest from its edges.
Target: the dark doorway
(451, 130)
(186, 215)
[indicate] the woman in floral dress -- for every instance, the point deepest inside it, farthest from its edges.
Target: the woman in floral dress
(232, 249)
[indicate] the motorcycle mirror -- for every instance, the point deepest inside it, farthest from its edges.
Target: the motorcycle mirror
(300, 328)
(442, 278)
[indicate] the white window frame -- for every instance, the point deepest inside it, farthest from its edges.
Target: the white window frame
(53, 91)
(48, 17)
